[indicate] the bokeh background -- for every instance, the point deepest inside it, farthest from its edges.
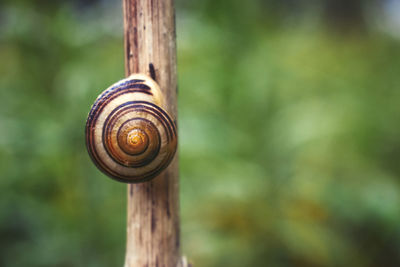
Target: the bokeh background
(289, 130)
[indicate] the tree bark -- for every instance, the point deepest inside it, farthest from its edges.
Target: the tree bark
(153, 207)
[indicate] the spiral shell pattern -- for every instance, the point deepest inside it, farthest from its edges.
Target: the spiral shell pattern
(128, 135)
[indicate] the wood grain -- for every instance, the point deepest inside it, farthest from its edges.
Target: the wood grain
(153, 209)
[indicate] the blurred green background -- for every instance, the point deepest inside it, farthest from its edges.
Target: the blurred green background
(289, 133)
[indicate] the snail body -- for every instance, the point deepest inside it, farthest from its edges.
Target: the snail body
(129, 135)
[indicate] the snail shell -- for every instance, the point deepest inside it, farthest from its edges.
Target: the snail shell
(129, 136)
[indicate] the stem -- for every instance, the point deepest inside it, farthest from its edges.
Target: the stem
(153, 207)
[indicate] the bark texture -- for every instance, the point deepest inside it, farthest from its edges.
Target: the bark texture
(153, 209)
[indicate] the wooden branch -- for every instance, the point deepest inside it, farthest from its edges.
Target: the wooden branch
(153, 207)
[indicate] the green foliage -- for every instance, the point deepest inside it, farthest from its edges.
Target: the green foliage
(289, 138)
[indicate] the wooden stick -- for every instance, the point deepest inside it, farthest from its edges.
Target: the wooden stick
(153, 207)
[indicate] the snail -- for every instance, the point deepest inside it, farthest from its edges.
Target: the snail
(129, 135)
